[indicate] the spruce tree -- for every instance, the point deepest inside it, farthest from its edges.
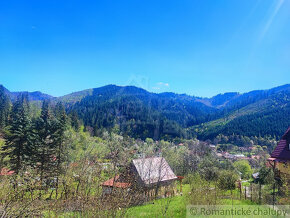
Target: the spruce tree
(4, 107)
(75, 123)
(59, 138)
(60, 127)
(45, 146)
(17, 139)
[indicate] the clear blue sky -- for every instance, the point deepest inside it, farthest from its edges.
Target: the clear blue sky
(198, 47)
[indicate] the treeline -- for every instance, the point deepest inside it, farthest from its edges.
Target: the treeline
(271, 121)
(138, 114)
(134, 112)
(4, 107)
(35, 143)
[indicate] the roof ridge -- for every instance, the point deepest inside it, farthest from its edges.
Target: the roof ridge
(282, 151)
(286, 133)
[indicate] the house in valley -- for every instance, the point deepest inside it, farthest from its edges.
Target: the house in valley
(280, 157)
(148, 178)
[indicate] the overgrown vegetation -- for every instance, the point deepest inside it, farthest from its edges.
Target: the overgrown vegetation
(54, 165)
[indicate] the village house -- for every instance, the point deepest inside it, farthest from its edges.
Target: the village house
(280, 157)
(147, 177)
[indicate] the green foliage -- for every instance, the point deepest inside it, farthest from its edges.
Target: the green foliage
(140, 114)
(244, 167)
(4, 108)
(201, 192)
(266, 176)
(82, 145)
(176, 156)
(18, 137)
(2, 156)
(75, 123)
(61, 147)
(262, 114)
(176, 207)
(65, 159)
(235, 142)
(227, 180)
(44, 142)
(209, 169)
(48, 140)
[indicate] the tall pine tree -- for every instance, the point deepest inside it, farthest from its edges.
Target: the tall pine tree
(17, 139)
(4, 107)
(59, 139)
(59, 135)
(45, 146)
(75, 123)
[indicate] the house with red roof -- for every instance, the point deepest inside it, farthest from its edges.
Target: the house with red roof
(280, 157)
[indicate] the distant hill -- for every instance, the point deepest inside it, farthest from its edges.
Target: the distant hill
(33, 96)
(220, 100)
(139, 113)
(76, 96)
(257, 113)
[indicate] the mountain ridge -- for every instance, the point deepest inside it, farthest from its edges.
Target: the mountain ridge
(33, 96)
(213, 99)
(209, 101)
(140, 113)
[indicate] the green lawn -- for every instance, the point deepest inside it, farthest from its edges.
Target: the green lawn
(176, 206)
(237, 202)
(169, 207)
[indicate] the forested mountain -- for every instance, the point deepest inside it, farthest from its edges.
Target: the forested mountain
(33, 96)
(266, 115)
(142, 114)
(138, 113)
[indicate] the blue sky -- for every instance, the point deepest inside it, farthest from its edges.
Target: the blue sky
(198, 47)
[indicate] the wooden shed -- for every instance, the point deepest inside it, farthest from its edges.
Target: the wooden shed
(147, 177)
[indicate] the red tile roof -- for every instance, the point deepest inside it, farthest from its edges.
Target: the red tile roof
(6, 172)
(113, 182)
(282, 151)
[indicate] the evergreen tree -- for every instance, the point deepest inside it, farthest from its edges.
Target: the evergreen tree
(4, 107)
(59, 138)
(75, 123)
(266, 176)
(17, 139)
(45, 146)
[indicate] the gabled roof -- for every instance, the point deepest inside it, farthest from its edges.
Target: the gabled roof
(282, 151)
(114, 182)
(153, 170)
(287, 133)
